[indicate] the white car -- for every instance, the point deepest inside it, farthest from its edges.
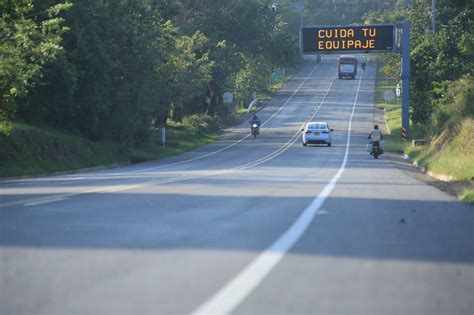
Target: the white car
(317, 133)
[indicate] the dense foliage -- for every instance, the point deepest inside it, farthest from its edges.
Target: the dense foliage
(27, 42)
(111, 69)
(342, 12)
(441, 62)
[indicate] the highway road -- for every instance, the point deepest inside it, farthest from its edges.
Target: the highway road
(244, 225)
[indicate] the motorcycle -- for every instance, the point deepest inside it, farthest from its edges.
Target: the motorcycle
(363, 66)
(254, 127)
(375, 149)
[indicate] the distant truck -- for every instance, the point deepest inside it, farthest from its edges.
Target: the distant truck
(347, 66)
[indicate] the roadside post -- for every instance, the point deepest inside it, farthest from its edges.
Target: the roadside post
(398, 93)
(163, 136)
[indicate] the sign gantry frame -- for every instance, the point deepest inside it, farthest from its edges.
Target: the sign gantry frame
(365, 39)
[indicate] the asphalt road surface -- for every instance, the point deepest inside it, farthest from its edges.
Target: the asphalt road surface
(244, 225)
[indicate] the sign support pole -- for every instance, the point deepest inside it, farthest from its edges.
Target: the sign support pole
(405, 80)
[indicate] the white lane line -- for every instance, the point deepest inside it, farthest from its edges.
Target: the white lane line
(322, 212)
(111, 189)
(42, 202)
(234, 292)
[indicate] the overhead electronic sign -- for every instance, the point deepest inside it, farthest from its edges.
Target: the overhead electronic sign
(365, 38)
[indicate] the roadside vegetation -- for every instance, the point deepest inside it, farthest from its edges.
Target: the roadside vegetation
(134, 65)
(31, 150)
(40, 150)
(441, 91)
(86, 83)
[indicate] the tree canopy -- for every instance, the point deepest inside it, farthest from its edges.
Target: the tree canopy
(437, 58)
(110, 69)
(28, 41)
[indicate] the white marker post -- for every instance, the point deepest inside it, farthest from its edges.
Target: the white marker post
(163, 136)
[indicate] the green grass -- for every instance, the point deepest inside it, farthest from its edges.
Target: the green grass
(467, 196)
(393, 114)
(393, 141)
(451, 153)
(32, 150)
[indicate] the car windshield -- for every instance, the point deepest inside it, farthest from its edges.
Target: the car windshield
(317, 126)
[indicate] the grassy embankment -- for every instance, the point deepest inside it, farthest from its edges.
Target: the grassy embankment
(448, 153)
(32, 150)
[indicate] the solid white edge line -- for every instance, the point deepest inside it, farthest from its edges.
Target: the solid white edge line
(42, 202)
(234, 292)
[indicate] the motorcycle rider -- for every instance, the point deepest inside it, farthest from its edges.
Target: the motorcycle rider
(375, 136)
(255, 120)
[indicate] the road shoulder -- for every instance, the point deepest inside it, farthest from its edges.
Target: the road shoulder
(454, 188)
(407, 166)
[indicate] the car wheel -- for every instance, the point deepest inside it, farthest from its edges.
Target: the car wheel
(329, 144)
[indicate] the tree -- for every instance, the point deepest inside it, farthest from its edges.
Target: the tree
(28, 40)
(343, 12)
(116, 77)
(124, 66)
(191, 74)
(239, 34)
(446, 55)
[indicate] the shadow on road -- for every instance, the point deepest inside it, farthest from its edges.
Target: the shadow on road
(347, 227)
